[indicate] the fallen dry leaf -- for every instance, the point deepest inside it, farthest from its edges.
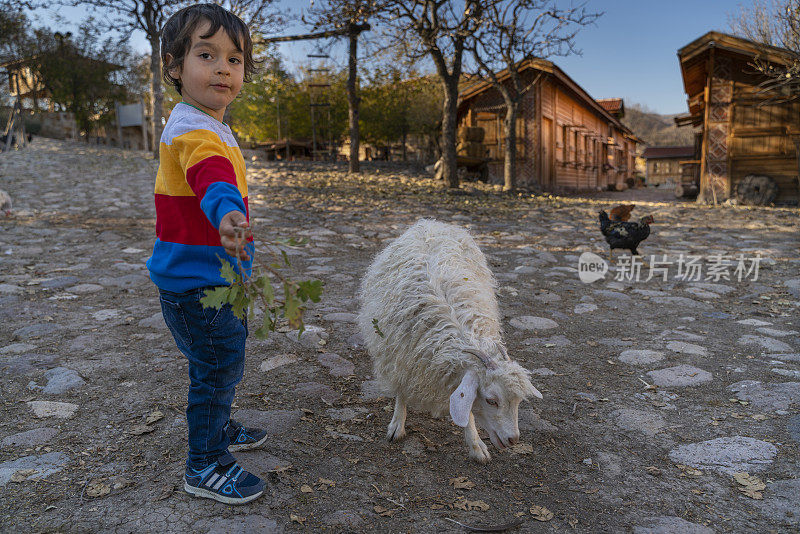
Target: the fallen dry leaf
(97, 489)
(324, 483)
(153, 417)
(653, 470)
(540, 513)
(687, 470)
(22, 475)
(138, 430)
(461, 483)
(750, 485)
(305, 488)
(297, 519)
(384, 512)
(521, 448)
(462, 503)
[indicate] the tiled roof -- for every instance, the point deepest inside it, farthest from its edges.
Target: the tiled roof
(612, 105)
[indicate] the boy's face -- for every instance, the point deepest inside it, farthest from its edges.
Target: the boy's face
(212, 72)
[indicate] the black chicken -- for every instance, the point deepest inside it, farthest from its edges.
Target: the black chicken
(624, 235)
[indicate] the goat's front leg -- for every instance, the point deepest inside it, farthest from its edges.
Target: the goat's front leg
(397, 428)
(478, 450)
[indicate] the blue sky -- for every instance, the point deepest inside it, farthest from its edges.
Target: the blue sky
(629, 53)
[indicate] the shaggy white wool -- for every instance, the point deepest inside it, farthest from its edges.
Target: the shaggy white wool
(432, 295)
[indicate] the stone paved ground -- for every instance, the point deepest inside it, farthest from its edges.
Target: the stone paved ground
(655, 393)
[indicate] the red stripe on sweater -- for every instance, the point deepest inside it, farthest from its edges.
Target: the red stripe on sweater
(180, 220)
(208, 171)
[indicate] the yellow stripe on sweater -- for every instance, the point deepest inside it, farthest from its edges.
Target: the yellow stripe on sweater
(187, 150)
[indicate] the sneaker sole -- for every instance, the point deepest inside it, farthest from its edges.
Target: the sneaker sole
(247, 446)
(200, 492)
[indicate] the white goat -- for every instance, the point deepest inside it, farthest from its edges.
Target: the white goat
(431, 324)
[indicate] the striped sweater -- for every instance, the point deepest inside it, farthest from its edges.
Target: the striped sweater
(201, 177)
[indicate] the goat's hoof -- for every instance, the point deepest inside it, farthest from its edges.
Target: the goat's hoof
(395, 432)
(479, 452)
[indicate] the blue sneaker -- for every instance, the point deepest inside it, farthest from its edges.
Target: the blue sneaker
(243, 439)
(223, 481)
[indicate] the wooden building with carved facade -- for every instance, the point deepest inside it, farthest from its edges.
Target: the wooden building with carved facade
(750, 138)
(566, 140)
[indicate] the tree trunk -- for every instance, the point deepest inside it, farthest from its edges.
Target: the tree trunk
(157, 97)
(510, 164)
(352, 100)
(449, 110)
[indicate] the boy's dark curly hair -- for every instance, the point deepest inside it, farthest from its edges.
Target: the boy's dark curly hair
(176, 37)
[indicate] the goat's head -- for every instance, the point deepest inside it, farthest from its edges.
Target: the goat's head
(493, 391)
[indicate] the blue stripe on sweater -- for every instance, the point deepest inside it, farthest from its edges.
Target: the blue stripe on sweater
(180, 268)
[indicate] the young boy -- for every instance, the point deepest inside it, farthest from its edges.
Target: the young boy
(201, 197)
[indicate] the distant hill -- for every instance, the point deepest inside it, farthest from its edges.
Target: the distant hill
(655, 129)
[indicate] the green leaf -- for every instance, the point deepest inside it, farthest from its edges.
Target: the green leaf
(292, 309)
(309, 289)
(266, 327)
(285, 257)
(215, 298)
(227, 271)
(265, 286)
(240, 305)
(377, 328)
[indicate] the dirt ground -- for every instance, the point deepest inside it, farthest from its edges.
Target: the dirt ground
(655, 392)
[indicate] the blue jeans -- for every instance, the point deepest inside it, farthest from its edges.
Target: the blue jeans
(213, 342)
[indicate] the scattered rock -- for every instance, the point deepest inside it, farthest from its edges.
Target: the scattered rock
(585, 307)
(770, 397)
(341, 317)
(639, 421)
(17, 348)
(62, 410)
(344, 518)
(372, 390)
(315, 390)
(154, 321)
(338, 366)
(277, 361)
(85, 288)
(680, 376)
(30, 438)
(682, 347)
(39, 466)
(641, 357)
(276, 423)
(36, 330)
(312, 337)
(737, 454)
(753, 322)
(781, 502)
(528, 322)
(60, 380)
(767, 343)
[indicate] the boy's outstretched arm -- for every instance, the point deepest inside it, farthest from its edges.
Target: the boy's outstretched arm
(227, 234)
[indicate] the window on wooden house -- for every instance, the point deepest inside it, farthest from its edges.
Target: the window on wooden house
(574, 151)
(489, 123)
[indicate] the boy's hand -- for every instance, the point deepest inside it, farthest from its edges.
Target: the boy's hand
(234, 245)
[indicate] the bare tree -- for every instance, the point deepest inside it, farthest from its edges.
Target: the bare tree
(778, 24)
(440, 29)
(775, 23)
(349, 18)
(513, 31)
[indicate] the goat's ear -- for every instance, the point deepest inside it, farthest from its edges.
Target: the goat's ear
(462, 398)
(536, 392)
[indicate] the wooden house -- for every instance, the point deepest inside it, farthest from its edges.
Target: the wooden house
(566, 140)
(747, 134)
(663, 163)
